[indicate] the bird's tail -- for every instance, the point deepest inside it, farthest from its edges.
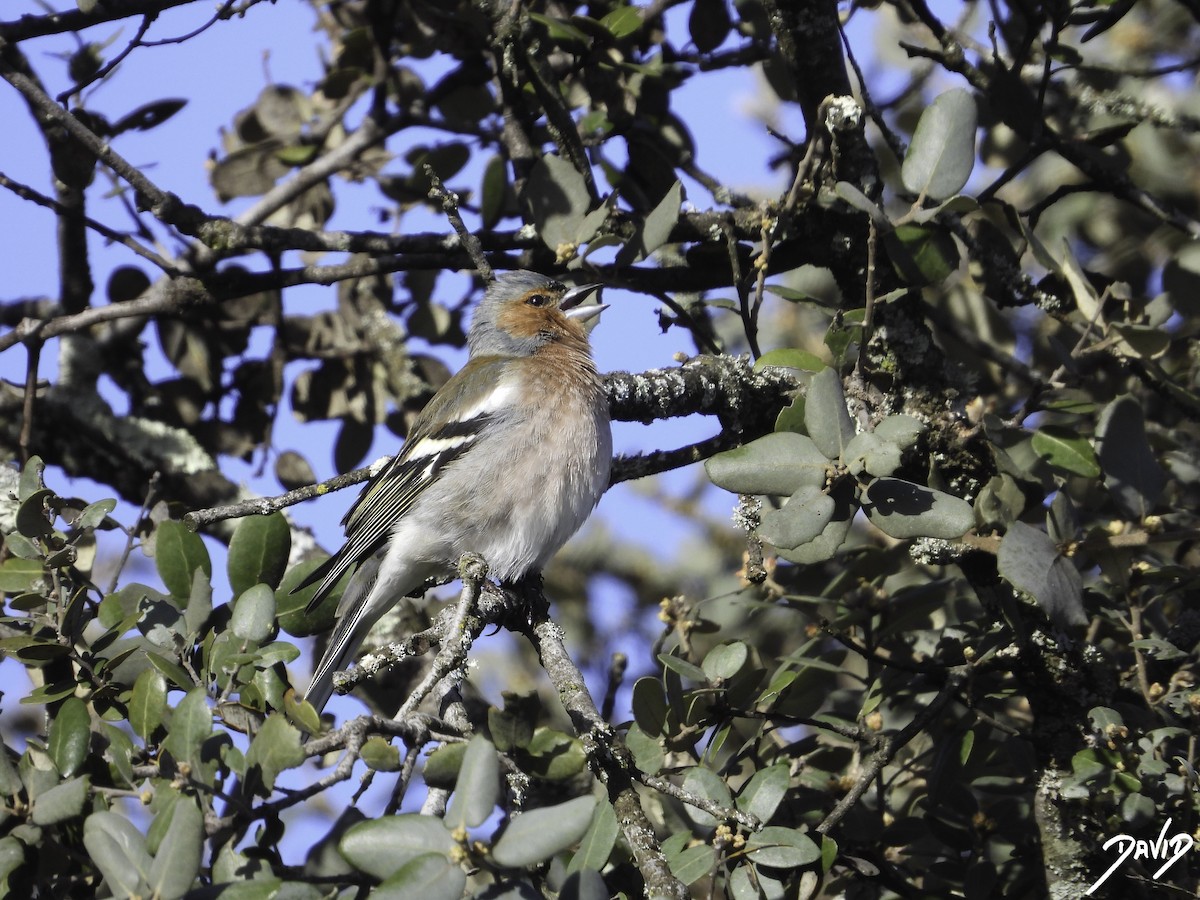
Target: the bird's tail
(355, 619)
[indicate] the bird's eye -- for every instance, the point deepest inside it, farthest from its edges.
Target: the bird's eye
(537, 300)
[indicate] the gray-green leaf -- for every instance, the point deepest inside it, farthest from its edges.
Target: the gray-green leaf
(379, 754)
(654, 231)
(860, 201)
(190, 726)
(494, 191)
(62, 802)
(900, 430)
(10, 779)
(1000, 501)
(586, 884)
(513, 887)
(942, 152)
(119, 850)
(1158, 648)
(904, 510)
(825, 414)
(177, 554)
(709, 24)
(254, 614)
(199, 605)
(868, 452)
(1030, 562)
(763, 793)
(70, 734)
(381, 847)
(826, 544)
(648, 753)
(1131, 472)
(557, 199)
(1181, 279)
(725, 660)
(161, 622)
(258, 551)
(800, 520)
(478, 786)
(94, 513)
(922, 254)
(682, 667)
(179, 853)
(274, 749)
(537, 835)
(691, 864)
(782, 848)
(649, 705)
(708, 785)
(597, 843)
(12, 856)
(777, 463)
(1067, 450)
(431, 876)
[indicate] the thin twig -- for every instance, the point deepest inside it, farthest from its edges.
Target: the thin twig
(225, 12)
(760, 266)
(890, 746)
(559, 121)
(714, 809)
(1139, 658)
(706, 340)
(163, 297)
(102, 72)
(151, 488)
(164, 205)
(33, 354)
(27, 193)
(449, 201)
(869, 300)
(451, 658)
(416, 730)
(368, 134)
(616, 677)
(403, 781)
(932, 668)
(655, 462)
(264, 506)
(735, 268)
(893, 140)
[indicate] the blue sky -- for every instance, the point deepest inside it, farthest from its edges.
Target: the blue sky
(223, 70)
(250, 56)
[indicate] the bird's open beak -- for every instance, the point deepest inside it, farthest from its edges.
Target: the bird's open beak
(572, 298)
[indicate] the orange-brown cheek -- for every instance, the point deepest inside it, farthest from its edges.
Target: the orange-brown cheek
(526, 322)
(519, 321)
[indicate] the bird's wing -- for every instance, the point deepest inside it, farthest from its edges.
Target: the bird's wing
(447, 427)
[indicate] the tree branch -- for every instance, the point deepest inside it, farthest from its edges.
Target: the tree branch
(27, 193)
(74, 20)
(724, 386)
(606, 752)
(449, 201)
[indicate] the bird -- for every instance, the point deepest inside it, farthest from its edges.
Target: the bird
(507, 460)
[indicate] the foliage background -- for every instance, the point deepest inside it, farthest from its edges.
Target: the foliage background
(965, 655)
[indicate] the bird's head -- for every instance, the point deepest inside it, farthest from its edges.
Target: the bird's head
(523, 311)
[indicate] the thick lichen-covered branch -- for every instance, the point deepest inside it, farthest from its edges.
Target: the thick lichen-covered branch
(722, 386)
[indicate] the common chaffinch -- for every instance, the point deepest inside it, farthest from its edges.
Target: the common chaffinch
(507, 460)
